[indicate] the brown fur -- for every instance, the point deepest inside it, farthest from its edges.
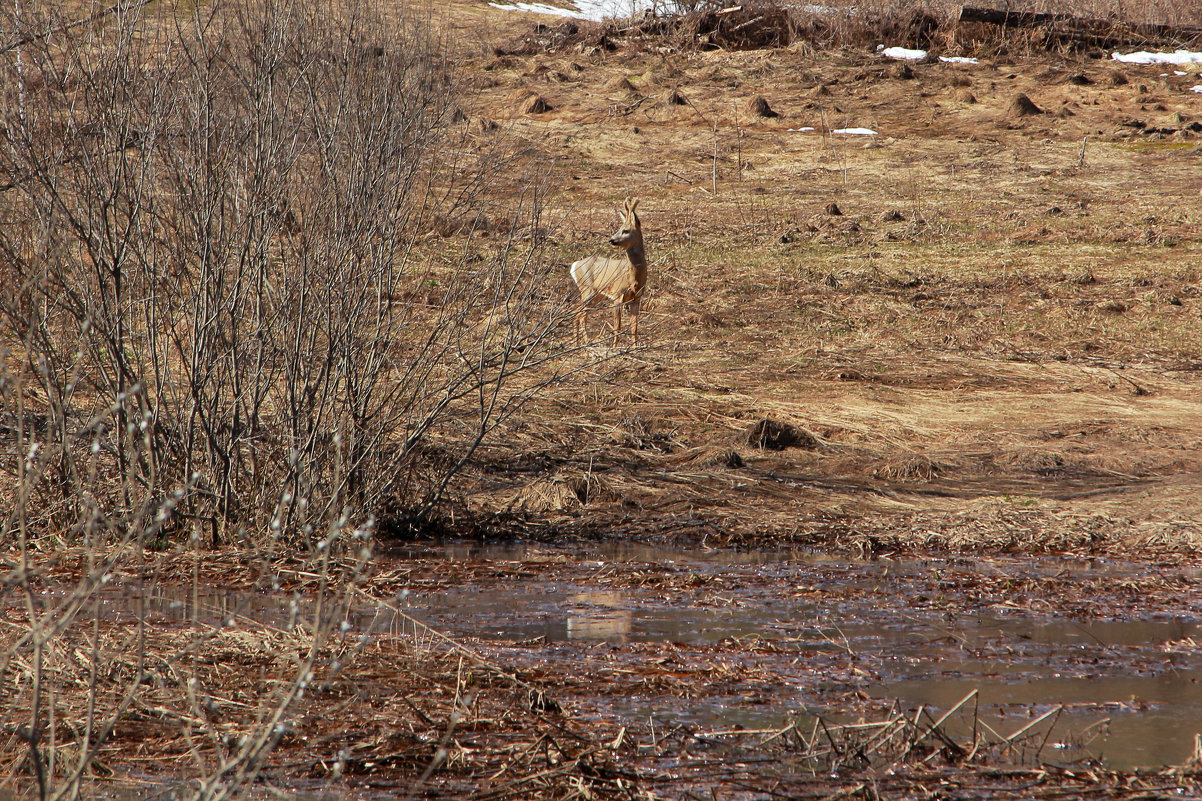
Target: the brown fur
(606, 281)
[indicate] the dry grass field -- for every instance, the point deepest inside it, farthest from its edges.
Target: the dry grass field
(293, 291)
(982, 321)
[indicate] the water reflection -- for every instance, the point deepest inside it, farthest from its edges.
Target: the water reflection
(1143, 674)
(1131, 689)
(599, 616)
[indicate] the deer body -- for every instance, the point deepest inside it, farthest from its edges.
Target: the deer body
(605, 281)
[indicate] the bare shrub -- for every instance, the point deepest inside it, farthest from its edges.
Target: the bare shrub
(223, 323)
(211, 225)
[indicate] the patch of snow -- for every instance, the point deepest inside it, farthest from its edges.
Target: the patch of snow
(537, 8)
(1179, 72)
(1146, 57)
(855, 131)
(596, 10)
(903, 53)
(1197, 88)
(800, 130)
(906, 54)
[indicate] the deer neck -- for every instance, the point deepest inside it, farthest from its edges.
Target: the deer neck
(638, 258)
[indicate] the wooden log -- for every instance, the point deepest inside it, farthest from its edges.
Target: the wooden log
(1083, 30)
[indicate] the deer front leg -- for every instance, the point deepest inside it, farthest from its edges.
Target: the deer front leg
(581, 319)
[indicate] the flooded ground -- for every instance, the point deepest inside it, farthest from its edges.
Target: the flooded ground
(806, 634)
(1105, 652)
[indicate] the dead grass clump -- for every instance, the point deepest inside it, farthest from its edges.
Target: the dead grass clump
(776, 435)
(709, 456)
(702, 318)
(1040, 462)
(910, 467)
(645, 435)
(560, 493)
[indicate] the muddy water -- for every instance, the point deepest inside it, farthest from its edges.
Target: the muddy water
(912, 632)
(798, 636)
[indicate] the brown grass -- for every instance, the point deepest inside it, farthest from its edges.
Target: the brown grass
(994, 328)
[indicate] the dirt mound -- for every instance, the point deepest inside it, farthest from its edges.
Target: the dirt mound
(620, 84)
(1023, 106)
(776, 435)
(528, 101)
(759, 107)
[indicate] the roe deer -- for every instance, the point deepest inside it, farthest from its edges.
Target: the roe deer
(603, 280)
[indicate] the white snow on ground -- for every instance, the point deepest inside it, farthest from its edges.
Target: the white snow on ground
(901, 52)
(585, 9)
(602, 9)
(1145, 57)
(536, 8)
(1197, 88)
(846, 131)
(906, 54)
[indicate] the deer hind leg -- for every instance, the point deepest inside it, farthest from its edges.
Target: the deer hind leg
(617, 320)
(633, 307)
